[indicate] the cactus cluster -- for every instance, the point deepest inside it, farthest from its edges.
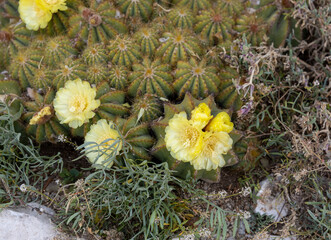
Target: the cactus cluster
(142, 57)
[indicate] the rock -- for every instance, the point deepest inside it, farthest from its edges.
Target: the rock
(271, 202)
(29, 223)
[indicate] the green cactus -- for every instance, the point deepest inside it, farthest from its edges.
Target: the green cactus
(118, 77)
(15, 36)
(22, 66)
(147, 107)
(248, 153)
(232, 7)
(10, 9)
(136, 8)
(42, 77)
(97, 73)
(185, 169)
(123, 51)
(195, 5)
(59, 24)
(253, 27)
(280, 24)
(70, 69)
(178, 45)
(95, 54)
(148, 41)
(228, 96)
(181, 17)
(96, 24)
(195, 77)
(42, 124)
(10, 92)
(150, 77)
(111, 106)
(214, 22)
(57, 49)
(4, 56)
(137, 136)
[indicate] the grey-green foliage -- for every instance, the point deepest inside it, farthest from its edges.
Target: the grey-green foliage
(140, 198)
(320, 215)
(20, 163)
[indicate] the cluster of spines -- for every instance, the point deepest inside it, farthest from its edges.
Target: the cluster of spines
(196, 77)
(96, 24)
(151, 77)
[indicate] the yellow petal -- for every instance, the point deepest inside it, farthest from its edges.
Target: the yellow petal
(220, 123)
(211, 157)
(99, 133)
(74, 104)
(183, 140)
(34, 14)
(200, 116)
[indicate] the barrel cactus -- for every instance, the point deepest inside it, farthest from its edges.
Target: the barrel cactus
(150, 77)
(195, 5)
(69, 69)
(196, 77)
(123, 51)
(57, 49)
(181, 17)
(187, 169)
(147, 39)
(96, 24)
(95, 54)
(178, 45)
(136, 8)
(23, 65)
(137, 136)
(118, 77)
(229, 96)
(212, 22)
(147, 107)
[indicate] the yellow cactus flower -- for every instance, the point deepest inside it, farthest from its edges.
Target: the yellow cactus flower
(34, 14)
(37, 13)
(74, 104)
(54, 5)
(220, 123)
(215, 145)
(42, 116)
(200, 116)
(183, 140)
(99, 133)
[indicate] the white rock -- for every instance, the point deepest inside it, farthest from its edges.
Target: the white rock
(270, 203)
(30, 223)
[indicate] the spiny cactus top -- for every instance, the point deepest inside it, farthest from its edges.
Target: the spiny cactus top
(136, 8)
(95, 54)
(195, 77)
(57, 49)
(15, 36)
(23, 65)
(150, 77)
(212, 22)
(178, 45)
(69, 69)
(118, 77)
(181, 17)
(147, 38)
(232, 7)
(147, 107)
(96, 23)
(195, 5)
(123, 51)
